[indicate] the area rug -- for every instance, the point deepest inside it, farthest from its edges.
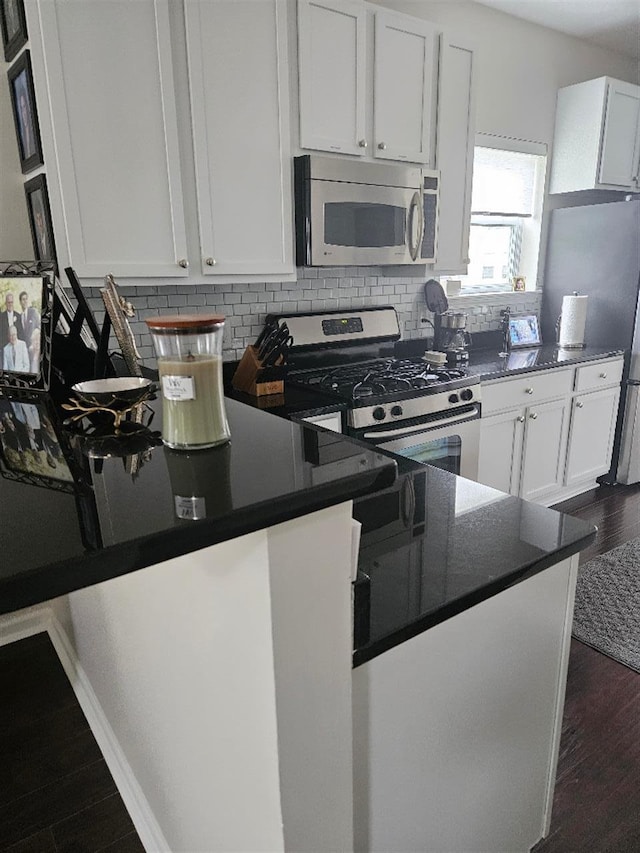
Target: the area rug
(607, 609)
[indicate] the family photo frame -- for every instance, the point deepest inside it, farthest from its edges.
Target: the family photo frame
(524, 331)
(39, 212)
(26, 307)
(25, 116)
(13, 25)
(33, 447)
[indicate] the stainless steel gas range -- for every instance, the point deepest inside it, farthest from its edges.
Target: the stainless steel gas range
(403, 405)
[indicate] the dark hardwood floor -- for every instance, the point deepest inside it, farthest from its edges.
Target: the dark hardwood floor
(596, 808)
(57, 795)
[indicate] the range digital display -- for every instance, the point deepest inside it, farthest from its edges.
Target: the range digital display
(342, 326)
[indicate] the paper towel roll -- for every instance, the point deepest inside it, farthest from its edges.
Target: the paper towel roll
(574, 318)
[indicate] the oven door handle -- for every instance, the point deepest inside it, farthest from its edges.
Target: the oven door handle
(408, 502)
(400, 433)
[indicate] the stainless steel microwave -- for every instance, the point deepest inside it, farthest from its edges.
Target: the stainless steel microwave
(350, 213)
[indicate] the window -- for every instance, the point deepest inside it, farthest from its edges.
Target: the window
(506, 207)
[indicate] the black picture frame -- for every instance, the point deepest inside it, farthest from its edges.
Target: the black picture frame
(13, 24)
(39, 211)
(524, 331)
(25, 114)
(27, 366)
(34, 448)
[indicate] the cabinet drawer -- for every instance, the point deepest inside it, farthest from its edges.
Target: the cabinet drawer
(602, 375)
(532, 388)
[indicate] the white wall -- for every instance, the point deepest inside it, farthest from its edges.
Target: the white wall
(15, 237)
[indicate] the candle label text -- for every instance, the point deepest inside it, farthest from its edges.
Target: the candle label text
(193, 507)
(178, 387)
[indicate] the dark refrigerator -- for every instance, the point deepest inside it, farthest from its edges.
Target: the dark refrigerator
(595, 250)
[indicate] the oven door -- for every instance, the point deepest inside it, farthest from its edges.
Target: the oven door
(453, 446)
(360, 224)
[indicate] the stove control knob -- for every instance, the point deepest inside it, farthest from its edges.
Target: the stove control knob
(453, 398)
(466, 394)
(379, 413)
(396, 411)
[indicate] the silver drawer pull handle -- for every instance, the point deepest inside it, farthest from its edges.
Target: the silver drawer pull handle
(382, 146)
(184, 263)
(579, 404)
(520, 419)
(210, 262)
(362, 143)
(603, 375)
(528, 390)
(533, 415)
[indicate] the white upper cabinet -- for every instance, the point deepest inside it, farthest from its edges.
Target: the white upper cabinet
(454, 151)
(367, 80)
(404, 67)
(331, 71)
(110, 135)
(620, 155)
(111, 78)
(240, 122)
(597, 137)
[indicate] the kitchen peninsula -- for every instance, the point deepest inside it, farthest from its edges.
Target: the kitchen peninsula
(213, 658)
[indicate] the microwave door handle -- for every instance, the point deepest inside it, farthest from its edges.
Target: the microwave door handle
(416, 204)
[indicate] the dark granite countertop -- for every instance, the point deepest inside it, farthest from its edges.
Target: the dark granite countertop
(70, 521)
(435, 544)
(487, 364)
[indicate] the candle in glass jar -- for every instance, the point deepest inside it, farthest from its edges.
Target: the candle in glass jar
(192, 401)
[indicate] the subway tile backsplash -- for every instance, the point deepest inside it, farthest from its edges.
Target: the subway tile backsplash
(245, 305)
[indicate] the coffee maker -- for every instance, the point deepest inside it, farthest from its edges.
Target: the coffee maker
(452, 338)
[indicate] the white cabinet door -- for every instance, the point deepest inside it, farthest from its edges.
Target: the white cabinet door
(621, 136)
(331, 70)
(239, 109)
(501, 450)
(110, 135)
(593, 420)
(454, 152)
(596, 142)
(544, 454)
(403, 87)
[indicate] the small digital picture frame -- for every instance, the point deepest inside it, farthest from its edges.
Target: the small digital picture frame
(524, 331)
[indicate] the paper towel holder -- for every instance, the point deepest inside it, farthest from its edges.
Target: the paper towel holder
(558, 326)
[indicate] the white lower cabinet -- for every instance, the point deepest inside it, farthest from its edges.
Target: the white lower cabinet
(522, 451)
(545, 443)
(558, 444)
(593, 422)
(501, 451)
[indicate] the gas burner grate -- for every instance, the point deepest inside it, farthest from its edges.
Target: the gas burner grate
(381, 378)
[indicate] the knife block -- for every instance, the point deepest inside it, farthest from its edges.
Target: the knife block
(255, 379)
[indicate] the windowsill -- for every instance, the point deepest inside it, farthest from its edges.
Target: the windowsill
(469, 300)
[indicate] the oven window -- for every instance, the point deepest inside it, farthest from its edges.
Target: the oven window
(442, 452)
(363, 224)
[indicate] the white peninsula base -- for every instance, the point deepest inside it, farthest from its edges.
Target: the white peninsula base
(218, 687)
(456, 731)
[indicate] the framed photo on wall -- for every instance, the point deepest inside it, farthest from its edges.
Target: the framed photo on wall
(14, 27)
(40, 218)
(25, 116)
